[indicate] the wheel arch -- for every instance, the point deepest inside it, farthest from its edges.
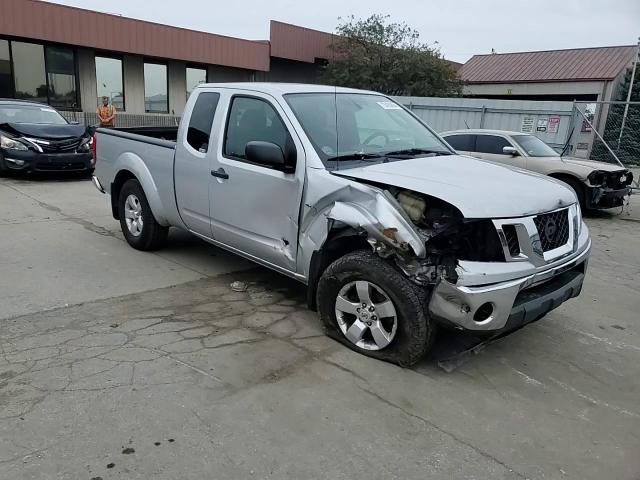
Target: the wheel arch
(340, 241)
(569, 179)
(133, 168)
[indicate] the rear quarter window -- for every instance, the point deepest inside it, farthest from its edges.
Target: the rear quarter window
(201, 121)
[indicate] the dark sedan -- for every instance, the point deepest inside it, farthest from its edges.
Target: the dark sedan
(34, 137)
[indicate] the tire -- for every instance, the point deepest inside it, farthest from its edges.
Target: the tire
(145, 235)
(579, 190)
(414, 332)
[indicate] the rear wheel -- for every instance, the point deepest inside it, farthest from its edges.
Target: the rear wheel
(372, 308)
(139, 226)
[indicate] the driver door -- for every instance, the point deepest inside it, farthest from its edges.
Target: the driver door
(255, 208)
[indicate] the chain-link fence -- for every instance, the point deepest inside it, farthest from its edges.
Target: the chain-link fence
(607, 132)
(621, 132)
(125, 119)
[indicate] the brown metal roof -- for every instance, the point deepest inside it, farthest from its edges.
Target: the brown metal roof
(584, 64)
(75, 26)
(300, 43)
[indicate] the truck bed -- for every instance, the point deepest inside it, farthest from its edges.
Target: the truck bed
(147, 152)
(161, 133)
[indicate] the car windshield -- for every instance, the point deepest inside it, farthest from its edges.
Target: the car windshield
(355, 129)
(30, 114)
(534, 146)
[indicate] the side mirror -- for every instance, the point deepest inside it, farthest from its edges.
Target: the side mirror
(265, 153)
(510, 151)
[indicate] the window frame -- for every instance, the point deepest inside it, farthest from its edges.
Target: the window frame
(45, 44)
(165, 64)
(195, 66)
(113, 56)
(495, 135)
(285, 169)
(76, 76)
(12, 83)
(213, 119)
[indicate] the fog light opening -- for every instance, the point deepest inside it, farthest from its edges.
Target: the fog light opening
(483, 313)
(15, 161)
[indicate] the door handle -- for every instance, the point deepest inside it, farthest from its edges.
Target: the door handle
(220, 173)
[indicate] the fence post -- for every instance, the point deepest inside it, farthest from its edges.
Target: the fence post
(482, 115)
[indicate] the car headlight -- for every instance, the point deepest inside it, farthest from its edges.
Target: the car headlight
(85, 146)
(597, 178)
(11, 144)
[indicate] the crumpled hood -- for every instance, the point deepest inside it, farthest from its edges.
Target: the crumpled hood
(605, 167)
(479, 189)
(50, 132)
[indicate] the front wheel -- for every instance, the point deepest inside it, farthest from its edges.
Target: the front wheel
(139, 226)
(372, 308)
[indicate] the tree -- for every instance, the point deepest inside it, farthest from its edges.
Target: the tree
(377, 54)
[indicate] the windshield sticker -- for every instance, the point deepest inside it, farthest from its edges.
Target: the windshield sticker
(389, 105)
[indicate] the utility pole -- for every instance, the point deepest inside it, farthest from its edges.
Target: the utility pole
(626, 107)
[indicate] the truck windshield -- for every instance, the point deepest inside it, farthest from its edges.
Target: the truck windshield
(351, 129)
(534, 146)
(30, 114)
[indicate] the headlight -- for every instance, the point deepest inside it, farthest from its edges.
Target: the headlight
(85, 146)
(597, 178)
(11, 144)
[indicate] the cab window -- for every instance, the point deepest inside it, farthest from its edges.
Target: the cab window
(201, 121)
(252, 120)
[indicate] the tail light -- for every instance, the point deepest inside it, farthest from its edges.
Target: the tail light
(94, 149)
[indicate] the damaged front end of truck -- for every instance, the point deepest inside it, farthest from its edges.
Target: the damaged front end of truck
(483, 275)
(423, 236)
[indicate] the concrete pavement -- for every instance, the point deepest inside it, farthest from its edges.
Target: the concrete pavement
(180, 377)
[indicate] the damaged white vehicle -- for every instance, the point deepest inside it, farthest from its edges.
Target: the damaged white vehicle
(351, 194)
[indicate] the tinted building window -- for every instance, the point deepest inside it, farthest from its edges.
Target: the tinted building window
(156, 97)
(464, 143)
(491, 144)
(61, 74)
(109, 81)
(195, 76)
(252, 120)
(6, 89)
(201, 121)
(28, 71)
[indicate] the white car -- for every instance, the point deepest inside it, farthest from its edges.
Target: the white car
(596, 184)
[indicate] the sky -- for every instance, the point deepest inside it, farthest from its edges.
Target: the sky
(462, 28)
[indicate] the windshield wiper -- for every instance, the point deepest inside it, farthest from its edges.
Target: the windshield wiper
(356, 156)
(416, 151)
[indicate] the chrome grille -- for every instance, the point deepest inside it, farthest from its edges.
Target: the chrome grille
(61, 146)
(511, 236)
(553, 229)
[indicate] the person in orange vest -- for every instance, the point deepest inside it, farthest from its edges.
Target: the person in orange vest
(106, 114)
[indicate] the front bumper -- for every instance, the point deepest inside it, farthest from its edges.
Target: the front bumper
(603, 197)
(493, 297)
(42, 162)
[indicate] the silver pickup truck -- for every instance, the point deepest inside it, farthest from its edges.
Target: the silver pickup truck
(351, 194)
